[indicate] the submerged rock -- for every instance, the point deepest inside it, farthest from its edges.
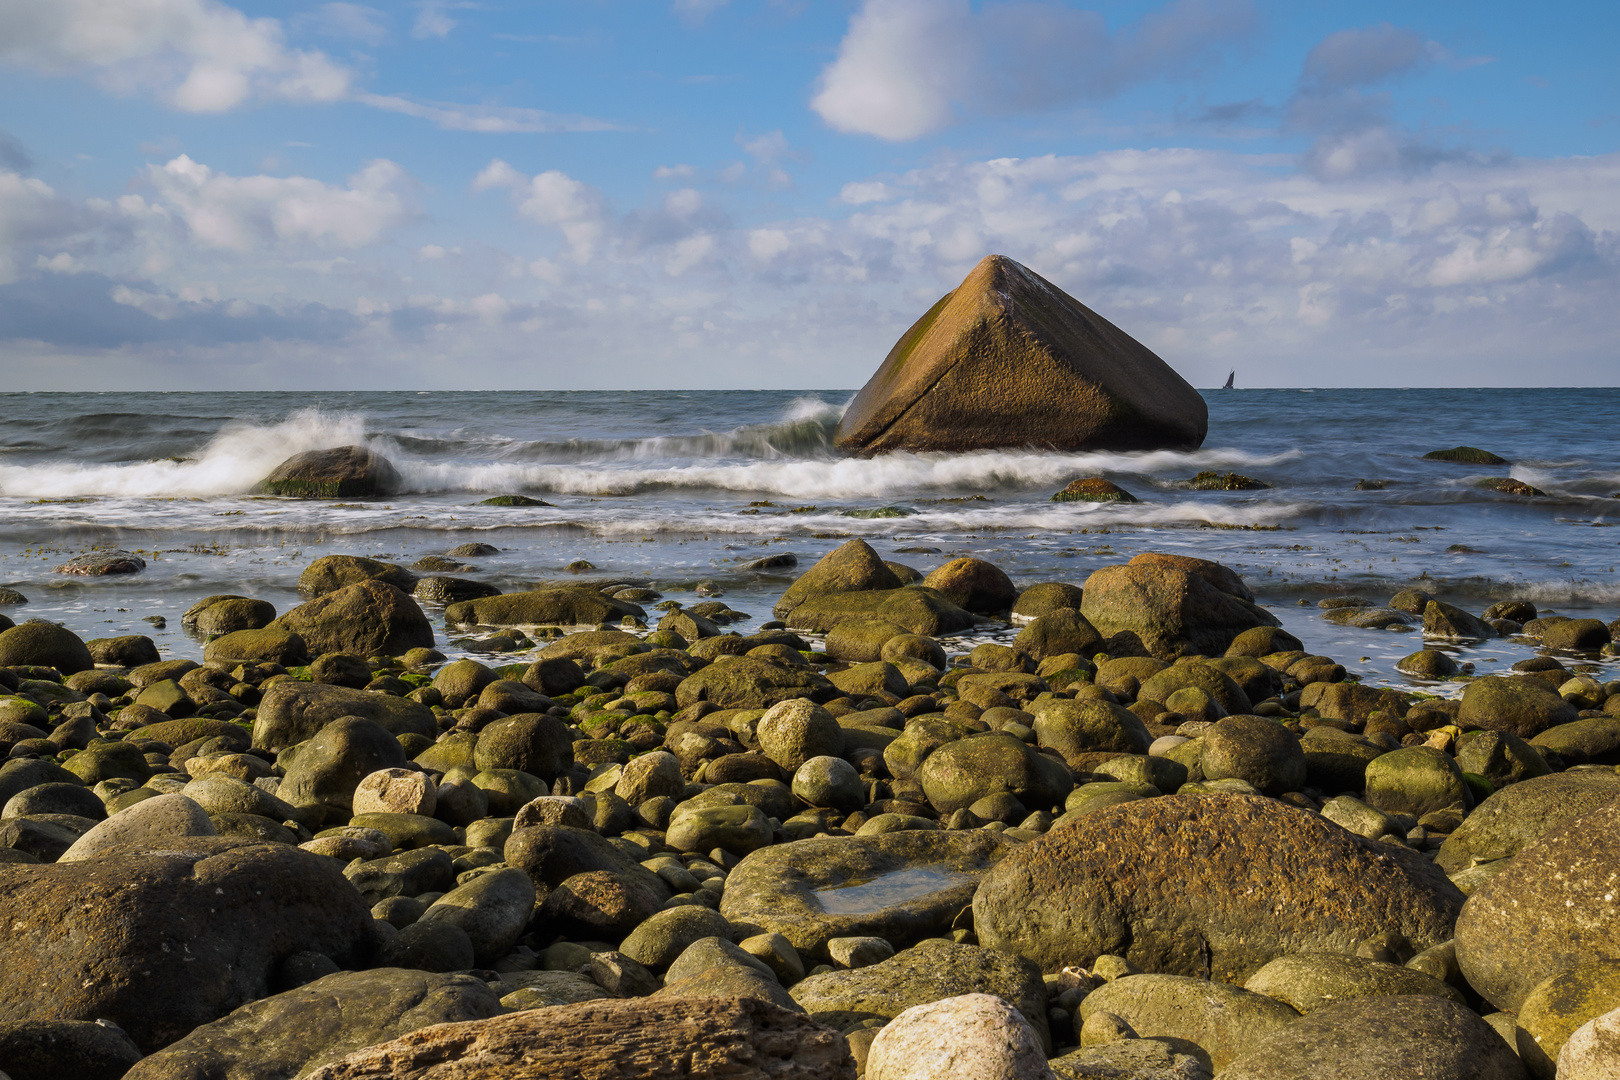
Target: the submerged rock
(346, 472)
(1094, 489)
(1468, 455)
(1009, 359)
(102, 563)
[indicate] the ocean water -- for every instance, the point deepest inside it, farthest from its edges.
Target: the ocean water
(679, 488)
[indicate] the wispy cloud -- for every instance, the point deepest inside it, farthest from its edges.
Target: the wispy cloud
(491, 119)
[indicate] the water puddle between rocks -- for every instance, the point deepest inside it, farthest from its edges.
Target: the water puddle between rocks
(886, 890)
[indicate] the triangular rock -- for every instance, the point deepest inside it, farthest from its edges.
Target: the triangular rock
(1009, 359)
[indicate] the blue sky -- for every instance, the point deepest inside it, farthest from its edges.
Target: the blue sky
(605, 193)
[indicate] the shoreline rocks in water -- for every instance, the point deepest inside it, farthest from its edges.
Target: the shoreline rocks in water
(1009, 359)
(1150, 837)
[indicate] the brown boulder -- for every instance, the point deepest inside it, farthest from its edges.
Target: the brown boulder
(973, 585)
(676, 1038)
(1172, 610)
(1009, 359)
(161, 942)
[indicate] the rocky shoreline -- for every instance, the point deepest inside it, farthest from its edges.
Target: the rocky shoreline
(1151, 837)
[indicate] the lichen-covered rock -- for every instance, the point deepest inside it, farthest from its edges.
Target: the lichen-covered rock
(751, 682)
(1223, 1021)
(850, 567)
(931, 971)
(1311, 981)
(1553, 908)
(292, 1033)
(913, 608)
(329, 573)
(960, 773)
(543, 607)
(671, 1038)
(1207, 885)
(1521, 813)
(1377, 1038)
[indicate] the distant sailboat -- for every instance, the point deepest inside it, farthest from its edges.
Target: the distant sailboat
(1232, 375)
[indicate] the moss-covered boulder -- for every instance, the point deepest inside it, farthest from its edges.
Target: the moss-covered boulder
(1593, 741)
(915, 609)
(960, 773)
(1255, 750)
(1087, 732)
(1523, 705)
(543, 607)
(330, 573)
(1416, 780)
(1057, 632)
(451, 590)
(1046, 597)
(1379, 1037)
(1453, 623)
(371, 618)
(344, 472)
(228, 614)
(268, 645)
(851, 567)
(1223, 1021)
(1311, 981)
(749, 682)
(44, 644)
(292, 711)
(929, 971)
(1094, 489)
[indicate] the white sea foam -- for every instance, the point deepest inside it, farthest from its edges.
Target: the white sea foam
(234, 460)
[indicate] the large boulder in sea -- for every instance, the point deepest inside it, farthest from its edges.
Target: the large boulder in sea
(1172, 606)
(1009, 359)
(1210, 886)
(344, 472)
(161, 942)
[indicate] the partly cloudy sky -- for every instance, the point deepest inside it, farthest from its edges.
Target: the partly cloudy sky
(486, 194)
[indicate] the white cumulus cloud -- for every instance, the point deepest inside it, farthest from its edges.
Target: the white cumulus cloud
(910, 67)
(552, 198)
(242, 213)
(198, 55)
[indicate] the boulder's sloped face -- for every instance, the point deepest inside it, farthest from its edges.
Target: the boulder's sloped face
(1207, 885)
(345, 472)
(293, 711)
(163, 941)
(1553, 908)
(1009, 359)
(675, 1038)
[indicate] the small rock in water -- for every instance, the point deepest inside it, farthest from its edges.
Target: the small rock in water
(1467, 455)
(472, 551)
(1213, 481)
(1094, 489)
(1509, 486)
(1371, 485)
(12, 596)
(102, 563)
(512, 500)
(157, 621)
